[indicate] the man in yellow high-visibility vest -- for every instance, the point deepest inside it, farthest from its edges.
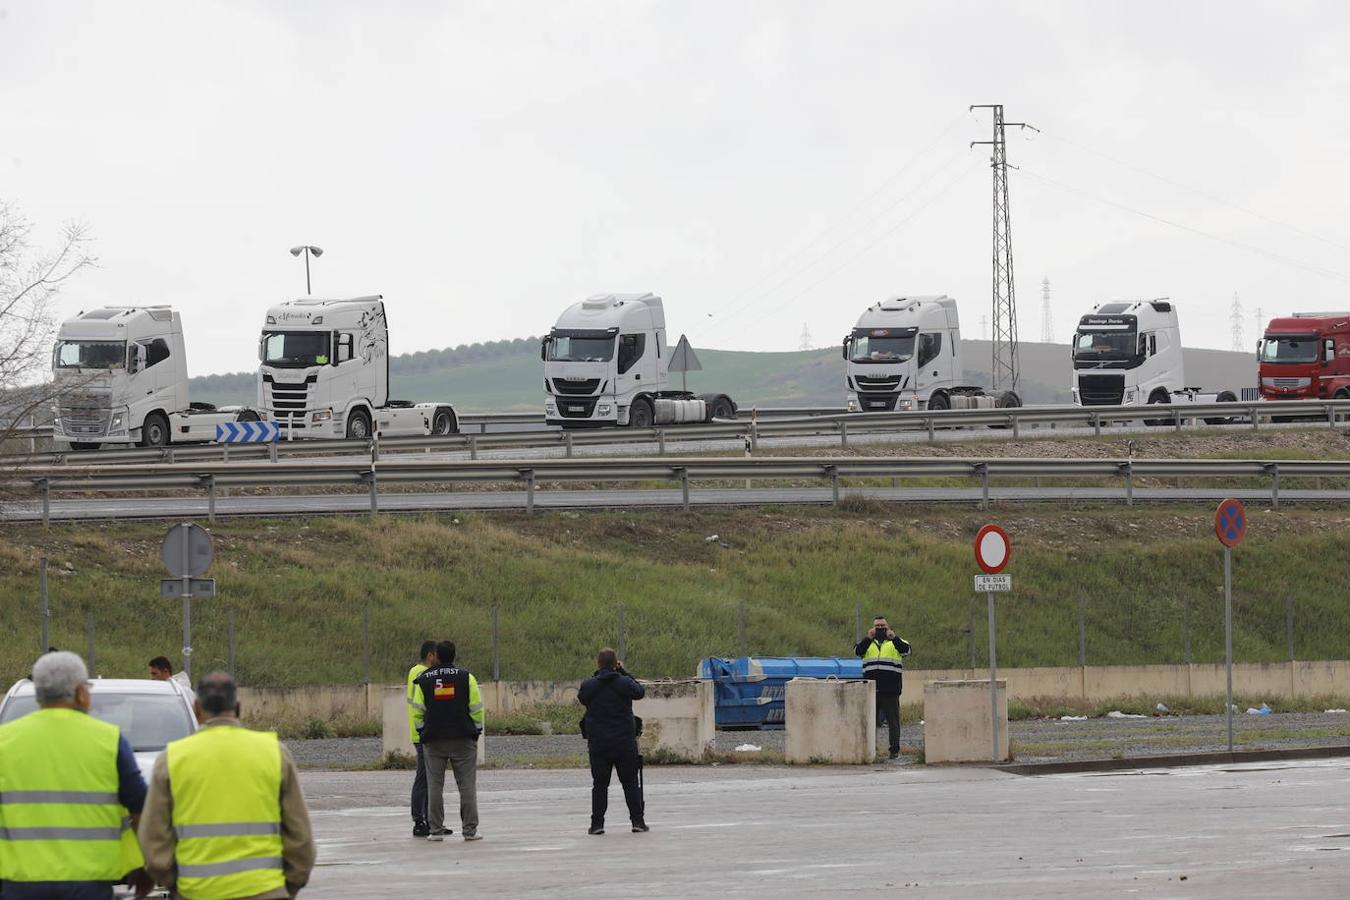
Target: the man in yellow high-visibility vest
(416, 706)
(70, 791)
(882, 653)
(224, 818)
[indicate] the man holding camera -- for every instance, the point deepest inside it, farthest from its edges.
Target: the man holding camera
(882, 652)
(611, 734)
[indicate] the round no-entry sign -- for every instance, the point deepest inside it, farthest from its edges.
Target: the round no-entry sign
(992, 549)
(1230, 522)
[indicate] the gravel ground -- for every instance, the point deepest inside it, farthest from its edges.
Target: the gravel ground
(1034, 740)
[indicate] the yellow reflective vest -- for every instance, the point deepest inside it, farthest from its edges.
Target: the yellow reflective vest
(414, 699)
(60, 819)
(226, 787)
(882, 656)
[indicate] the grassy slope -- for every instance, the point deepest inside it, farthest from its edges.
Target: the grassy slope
(297, 589)
(512, 380)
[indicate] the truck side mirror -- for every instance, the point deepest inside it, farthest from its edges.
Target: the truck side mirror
(136, 360)
(847, 342)
(543, 347)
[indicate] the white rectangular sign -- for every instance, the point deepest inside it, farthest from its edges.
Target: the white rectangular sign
(986, 583)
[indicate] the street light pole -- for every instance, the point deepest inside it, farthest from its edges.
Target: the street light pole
(308, 250)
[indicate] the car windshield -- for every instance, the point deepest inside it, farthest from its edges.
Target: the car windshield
(1104, 345)
(149, 721)
(1291, 349)
(867, 349)
(295, 349)
(564, 348)
(90, 355)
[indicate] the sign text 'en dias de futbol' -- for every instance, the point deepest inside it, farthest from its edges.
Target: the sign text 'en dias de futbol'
(1230, 527)
(993, 550)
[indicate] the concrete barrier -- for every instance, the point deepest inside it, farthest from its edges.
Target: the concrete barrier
(395, 737)
(830, 721)
(957, 725)
(677, 718)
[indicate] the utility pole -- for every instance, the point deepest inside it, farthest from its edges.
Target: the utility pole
(1047, 319)
(1260, 323)
(805, 340)
(1004, 370)
(1235, 319)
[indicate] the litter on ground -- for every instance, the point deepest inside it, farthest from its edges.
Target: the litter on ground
(1117, 714)
(748, 748)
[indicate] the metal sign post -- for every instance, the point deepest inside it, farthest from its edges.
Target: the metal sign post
(187, 553)
(993, 549)
(1230, 526)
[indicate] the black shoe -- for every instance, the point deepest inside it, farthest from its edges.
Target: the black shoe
(421, 829)
(596, 829)
(640, 827)
(895, 754)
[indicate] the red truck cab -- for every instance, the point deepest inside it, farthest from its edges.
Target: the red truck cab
(1306, 356)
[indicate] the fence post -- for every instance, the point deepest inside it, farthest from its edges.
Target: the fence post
(1186, 628)
(496, 647)
(365, 644)
(1289, 623)
(970, 631)
(211, 499)
(1082, 632)
(46, 608)
(229, 641)
(623, 635)
(1275, 485)
(857, 623)
(91, 658)
(740, 630)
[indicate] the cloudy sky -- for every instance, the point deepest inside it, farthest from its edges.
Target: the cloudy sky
(762, 166)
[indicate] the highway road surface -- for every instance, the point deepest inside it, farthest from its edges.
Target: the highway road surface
(1241, 830)
(355, 503)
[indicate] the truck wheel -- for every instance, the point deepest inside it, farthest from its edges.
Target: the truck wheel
(155, 431)
(722, 409)
(84, 445)
(640, 414)
(1158, 397)
(358, 425)
(939, 401)
(443, 424)
(246, 415)
(1006, 400)
(1224, 397)
(1342, 394)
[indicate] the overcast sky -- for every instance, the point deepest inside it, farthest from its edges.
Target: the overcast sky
(762, 166)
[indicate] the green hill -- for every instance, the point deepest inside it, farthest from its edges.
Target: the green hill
(507, 375)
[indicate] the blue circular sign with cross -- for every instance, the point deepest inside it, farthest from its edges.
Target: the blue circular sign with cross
(1230, 522)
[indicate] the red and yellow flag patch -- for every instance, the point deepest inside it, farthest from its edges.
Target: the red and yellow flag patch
(445, 692)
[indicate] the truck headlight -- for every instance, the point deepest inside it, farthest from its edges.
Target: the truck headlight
(905, 405)
(852, 405)
(1130, 395)
(604, 409)
(323, 415)
(550, 406)
(118, 422)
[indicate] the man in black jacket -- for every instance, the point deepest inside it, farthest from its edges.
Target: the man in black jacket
(882, 651)
(448, 716)
(608, 696)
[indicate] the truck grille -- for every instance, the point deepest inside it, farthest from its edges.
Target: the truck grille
(288, 398)
(580, 408)
(85, 414)
(1101, 390)
(582, 387)
(1286, 384)
(877, 402)
(877, 382)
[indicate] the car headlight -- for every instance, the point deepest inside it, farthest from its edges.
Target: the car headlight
(322, 415)
(604, 409)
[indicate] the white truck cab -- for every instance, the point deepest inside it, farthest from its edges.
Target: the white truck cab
(905, 354)
(121, 378)
(606, 362)
(1129, 354)
(324, 373)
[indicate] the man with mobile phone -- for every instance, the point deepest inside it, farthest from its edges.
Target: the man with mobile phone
(882, 653)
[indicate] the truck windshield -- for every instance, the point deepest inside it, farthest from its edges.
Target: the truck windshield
(867, 349)
(1291, 348)
(1103, 345)
(91, 355)
(295, 349)
(578, 349)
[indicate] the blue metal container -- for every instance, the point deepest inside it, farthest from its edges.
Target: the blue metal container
(748, 692)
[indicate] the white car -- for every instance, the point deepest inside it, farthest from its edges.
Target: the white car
(150, 713)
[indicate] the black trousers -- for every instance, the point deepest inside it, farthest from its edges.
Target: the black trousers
(605, 759)
(888, 710)
(419, 788)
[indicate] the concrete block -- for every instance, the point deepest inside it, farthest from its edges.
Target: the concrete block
(677, 718)
(395, 737)
(830, 721)
(957, 725)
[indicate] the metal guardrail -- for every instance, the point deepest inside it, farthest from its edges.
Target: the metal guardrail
(209, 476)
(781, 423)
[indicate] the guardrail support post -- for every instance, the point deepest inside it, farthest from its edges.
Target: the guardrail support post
(272, 451)
(984, 485)
(375, 447)
(45, 487)
(843, 433)
(167, 454)
(374, 491)
(1129, 484)
(529, 491)
(1097, 424)
(224, 452)
(1275, 485)
(929, 423)
(211, 499)
(473, 446)
(1331, 416)
(754, 436)
(1017, 427)
(834, 483)
(1256, 420)
(1176, 419)
(661, 442)
(684, 488)
(567, 440)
